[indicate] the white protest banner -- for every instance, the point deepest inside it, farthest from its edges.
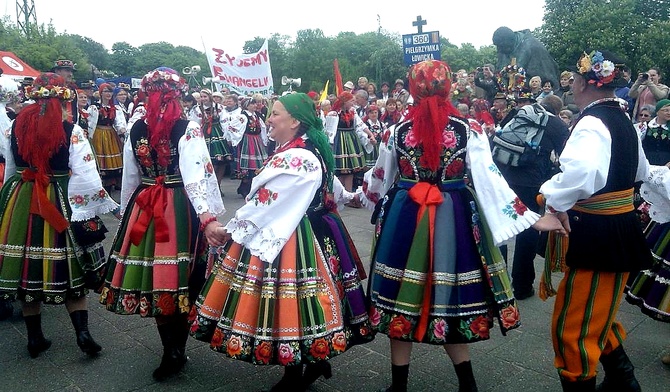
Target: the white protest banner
(245, 74)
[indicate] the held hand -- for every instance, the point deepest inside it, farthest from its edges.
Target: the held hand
(373, 140)
(216, 235)
(549, 222)
(565, 220)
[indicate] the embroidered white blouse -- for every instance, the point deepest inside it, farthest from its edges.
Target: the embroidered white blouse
(330, 127)
(120, 124)
(496, 198)
(279, 197)
(86, 196)
(195, 167)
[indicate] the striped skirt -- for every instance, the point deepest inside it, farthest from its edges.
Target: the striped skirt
(151, 278)
(37, 263)
(651, 288)
(307, 306)
(468, 282)
(108, 148)
(251, 153)
(348, 152)
(217, 145)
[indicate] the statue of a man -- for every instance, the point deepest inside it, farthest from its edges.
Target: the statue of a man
(528, 51)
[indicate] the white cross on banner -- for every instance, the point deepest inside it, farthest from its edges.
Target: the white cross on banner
(245, 74)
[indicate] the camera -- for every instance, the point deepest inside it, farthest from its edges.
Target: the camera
(645, 76)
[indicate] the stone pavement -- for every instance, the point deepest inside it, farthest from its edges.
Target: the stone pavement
(521, 361)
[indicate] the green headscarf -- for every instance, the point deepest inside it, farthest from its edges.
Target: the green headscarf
(301, 107)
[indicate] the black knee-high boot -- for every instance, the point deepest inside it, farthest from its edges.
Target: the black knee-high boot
(399, 377)
(315, 370)
(181, 333)
(36, 341)
(466, 379)
(291, 381)
(579, 386)
(171, 362)
(84, 340)
(619, 373)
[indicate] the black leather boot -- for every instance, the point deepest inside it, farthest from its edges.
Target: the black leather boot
(399, 377)
(36, 341)
(84, 340)
(6, 309)
(315, 370)
(466, 379)
(619, 374)
(172, 362)
(181, 332)
(579, 386)
(291, 381)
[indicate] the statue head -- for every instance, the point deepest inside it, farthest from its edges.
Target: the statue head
(504, 39)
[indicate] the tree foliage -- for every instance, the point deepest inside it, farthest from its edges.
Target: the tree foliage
(634, 29)
(639, 30)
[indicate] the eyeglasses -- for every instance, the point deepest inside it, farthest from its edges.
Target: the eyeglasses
(644, 115)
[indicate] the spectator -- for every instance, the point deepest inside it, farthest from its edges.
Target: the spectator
(399, 93)
(566, 115)
(535, 84)
(362, 84)
(540, 133)
(384, 93)
(372, 92)
(487, 81)
(547, 89)
(647, 89)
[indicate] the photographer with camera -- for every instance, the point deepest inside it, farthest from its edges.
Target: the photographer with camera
(486, 80)
(647, 90)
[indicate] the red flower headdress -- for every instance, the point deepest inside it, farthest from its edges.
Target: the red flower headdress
(429, 85)
(164, 86)
(39, 127)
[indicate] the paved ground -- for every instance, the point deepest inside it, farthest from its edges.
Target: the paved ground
(521, 361)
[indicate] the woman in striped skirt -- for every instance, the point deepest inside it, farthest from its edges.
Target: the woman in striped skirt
(437, 276)
(50, 237)
(169, 199)
(651, 289)
(286, 289)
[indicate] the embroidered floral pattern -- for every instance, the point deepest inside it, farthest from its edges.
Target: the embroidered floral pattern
(88, 157)
(79, 200)
(320, 349)
(288, 161)
(263, 353)
(515, 209)
(509, 317)
(264, 196)
(285, 354)
(411, 158)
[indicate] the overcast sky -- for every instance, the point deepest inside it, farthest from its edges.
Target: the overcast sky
(229, 23)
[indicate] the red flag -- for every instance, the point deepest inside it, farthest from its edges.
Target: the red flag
(339, 87)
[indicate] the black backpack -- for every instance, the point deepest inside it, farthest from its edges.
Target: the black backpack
(518, 142)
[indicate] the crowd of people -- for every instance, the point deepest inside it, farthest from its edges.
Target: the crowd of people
(452, 167)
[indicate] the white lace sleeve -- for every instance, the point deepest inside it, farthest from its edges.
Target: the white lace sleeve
(279, 197)
(378, 180)
(86, 195)
(656, 191)
(330, 126)
(506, 215)
(92, 120)
(131, 177)
(197, 172)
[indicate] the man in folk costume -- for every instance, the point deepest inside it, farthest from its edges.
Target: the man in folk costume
(593, 198)
(66, 68)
